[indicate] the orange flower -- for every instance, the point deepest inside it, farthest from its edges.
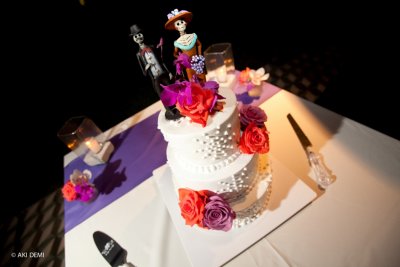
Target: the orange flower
(254, 140)
(199, 109)
(192, 206)
(244, 75)
(69, 192)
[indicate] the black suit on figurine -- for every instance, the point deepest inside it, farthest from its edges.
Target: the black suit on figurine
(153, 67)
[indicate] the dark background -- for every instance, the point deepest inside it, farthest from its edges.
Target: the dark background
(65, 59)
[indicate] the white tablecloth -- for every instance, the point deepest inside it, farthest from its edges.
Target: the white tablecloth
(355, 222)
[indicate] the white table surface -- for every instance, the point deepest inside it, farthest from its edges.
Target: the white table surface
(355, 222)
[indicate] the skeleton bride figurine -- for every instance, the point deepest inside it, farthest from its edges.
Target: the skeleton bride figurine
(187, 43)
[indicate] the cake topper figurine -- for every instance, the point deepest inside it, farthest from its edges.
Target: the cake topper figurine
(153, 67)
(188, 44)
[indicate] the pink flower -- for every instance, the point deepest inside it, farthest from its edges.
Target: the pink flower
(205, 209)
(78, 187)
(182, 62)
(249, 113)
(85, 191)
(218, 215)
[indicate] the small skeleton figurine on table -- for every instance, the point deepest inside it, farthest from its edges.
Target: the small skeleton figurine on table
(187, 43)
(154, 68)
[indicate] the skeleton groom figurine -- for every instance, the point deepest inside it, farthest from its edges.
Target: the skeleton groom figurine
(154, 68)
(187, 43)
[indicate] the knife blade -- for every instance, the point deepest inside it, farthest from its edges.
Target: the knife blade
(112, 252)
(324, 178)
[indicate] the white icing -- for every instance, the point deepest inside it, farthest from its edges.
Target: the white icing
(234, 180)
(208, 158)
(204, 146)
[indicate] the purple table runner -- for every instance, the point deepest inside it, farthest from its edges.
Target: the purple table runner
(138, 151)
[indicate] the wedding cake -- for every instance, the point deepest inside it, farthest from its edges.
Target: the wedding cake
(214, 161)
(216, 151)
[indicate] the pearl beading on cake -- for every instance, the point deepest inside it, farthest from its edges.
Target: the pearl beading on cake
(208, 151)
(217, 144)
(211, 167)
(251, 213)
(237, 187)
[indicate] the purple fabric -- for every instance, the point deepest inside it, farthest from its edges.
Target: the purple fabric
(242, 94)
(138, 151)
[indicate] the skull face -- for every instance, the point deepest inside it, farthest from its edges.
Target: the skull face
(138, 38)
(180, 25)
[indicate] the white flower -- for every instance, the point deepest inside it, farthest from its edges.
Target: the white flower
(258, 76)
(173, 13)
(77, 177)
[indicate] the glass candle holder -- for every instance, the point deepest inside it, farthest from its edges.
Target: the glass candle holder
(219, 61)
(81, 134)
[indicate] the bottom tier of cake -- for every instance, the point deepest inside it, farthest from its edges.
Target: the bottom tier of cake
(245, 184)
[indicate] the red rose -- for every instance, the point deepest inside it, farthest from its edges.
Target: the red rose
(199, 109)
(254, 140)
(192, 206)
(69, 192)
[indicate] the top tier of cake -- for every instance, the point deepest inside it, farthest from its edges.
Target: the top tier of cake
(209, 148)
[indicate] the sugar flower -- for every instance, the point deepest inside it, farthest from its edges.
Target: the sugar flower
(85, 191)
(254, 140)
(249, 113)
(182, 62)
(244, 76)
(174, 13)
(205, 209)
(192, 204)
(198, 109)
(218, 215)
(253, 78)
(78, 187)
(258, 76)
(197, 64)
(77, 177)
(193, 99)
(69, 192)
(178, 92)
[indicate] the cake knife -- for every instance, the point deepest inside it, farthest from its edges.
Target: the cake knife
(324, 178)
(112, 252)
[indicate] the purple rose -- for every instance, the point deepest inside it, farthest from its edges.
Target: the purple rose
(218, 215)
(249, 113)
(85, 192)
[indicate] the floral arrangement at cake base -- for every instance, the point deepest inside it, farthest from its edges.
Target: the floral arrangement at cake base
(79, 188)
(205, 209)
